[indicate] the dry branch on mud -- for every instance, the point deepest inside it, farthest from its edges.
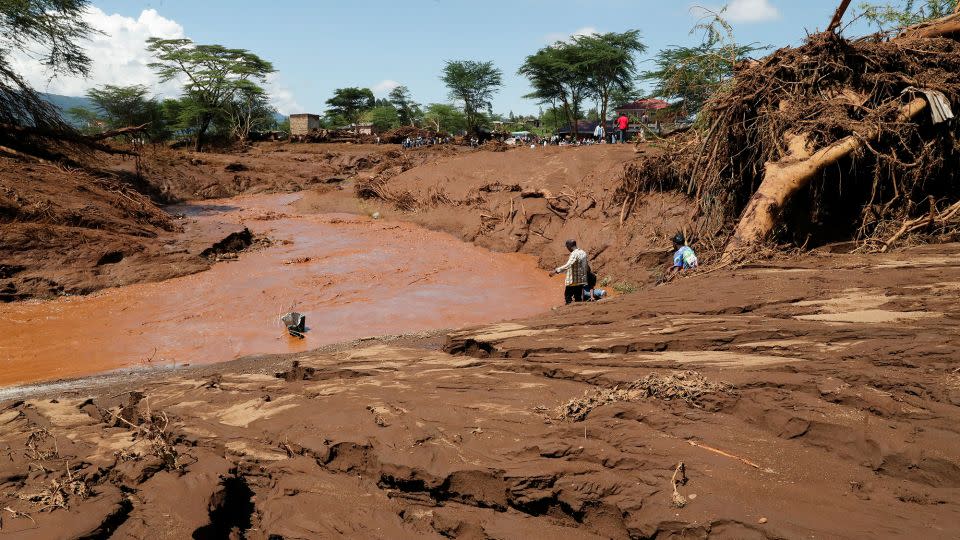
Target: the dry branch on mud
(688, 386)
(827, 141)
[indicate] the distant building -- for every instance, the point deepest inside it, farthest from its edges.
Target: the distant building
(302, 124)
(640, 107)
(361, 129)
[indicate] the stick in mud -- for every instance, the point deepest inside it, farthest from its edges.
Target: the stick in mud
(726, 454)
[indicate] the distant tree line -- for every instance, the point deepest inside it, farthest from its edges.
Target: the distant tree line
(223, 96)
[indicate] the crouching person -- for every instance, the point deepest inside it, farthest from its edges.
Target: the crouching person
(684, 257)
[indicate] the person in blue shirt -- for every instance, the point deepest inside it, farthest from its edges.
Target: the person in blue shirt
(684, 257)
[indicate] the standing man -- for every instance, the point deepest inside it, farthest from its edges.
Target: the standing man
(577, 269)
(622, 124)
(598, 134)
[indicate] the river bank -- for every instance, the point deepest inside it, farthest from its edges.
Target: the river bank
(352, 276)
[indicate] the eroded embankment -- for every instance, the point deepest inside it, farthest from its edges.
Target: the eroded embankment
(352, 276)
(823, 402)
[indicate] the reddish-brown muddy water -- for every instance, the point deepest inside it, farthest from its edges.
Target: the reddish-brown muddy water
(352, 276)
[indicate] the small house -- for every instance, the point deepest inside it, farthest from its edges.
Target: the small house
(303, 124)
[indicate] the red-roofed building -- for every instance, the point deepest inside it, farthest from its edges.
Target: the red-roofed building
(641, 106)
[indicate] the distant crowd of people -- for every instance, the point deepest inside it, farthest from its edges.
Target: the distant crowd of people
(421, 141)
(619, 134)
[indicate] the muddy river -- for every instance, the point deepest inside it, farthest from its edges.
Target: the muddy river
(351, 275)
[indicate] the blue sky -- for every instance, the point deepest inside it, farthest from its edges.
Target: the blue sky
(317, 46)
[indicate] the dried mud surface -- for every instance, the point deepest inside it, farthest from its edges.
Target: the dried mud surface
(815, 398)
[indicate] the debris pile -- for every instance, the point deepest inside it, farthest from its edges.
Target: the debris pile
(333, 136)
(832, 140)
(688, 386)
(397, 135)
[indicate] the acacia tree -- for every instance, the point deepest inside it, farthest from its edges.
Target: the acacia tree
(350, 104)
(408, 110)
(472, 83)
(249, 110)
(557, 74)
(690, 75)
(213, 74)
(608, 63)
(120, 106)
(49, 32)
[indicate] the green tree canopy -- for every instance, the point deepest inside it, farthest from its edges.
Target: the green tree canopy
(383, 117)
(690, 75)
(249, 110)
(608, 63)
(557, 75)
(121, 106)
(49, 32)
(407, 109)
(444, 117)
(350, 104)
(472, 83)
(213, 76)
(888, 16)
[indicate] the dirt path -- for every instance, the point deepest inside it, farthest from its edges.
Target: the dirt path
(813, 398)
(351, 275)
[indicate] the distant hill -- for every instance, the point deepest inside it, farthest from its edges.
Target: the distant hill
(65, 103)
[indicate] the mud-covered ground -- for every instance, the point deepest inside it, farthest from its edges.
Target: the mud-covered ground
(73, 231)
(814, 398)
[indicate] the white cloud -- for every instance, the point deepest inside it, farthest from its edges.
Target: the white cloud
(280, 96)
(560, 36)
(751, 11)
(384, 86)
(119, 56)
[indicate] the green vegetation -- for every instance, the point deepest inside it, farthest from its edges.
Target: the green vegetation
(444, 117)
(50, 32)
(601, 66)
(216, 77)
(408, 111)
(383, 117)
(472, 83)
(349, 104)
(887, 16)
(120, 106)
(624, 287)
(690, 75)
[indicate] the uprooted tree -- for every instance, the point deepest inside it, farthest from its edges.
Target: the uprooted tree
(830, 140)
(50, 32)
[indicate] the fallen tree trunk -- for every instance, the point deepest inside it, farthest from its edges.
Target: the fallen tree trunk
(71, 137)
(784, 178)
(942, 27)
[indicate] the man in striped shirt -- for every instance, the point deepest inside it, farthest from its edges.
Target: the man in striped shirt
(576, 268)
